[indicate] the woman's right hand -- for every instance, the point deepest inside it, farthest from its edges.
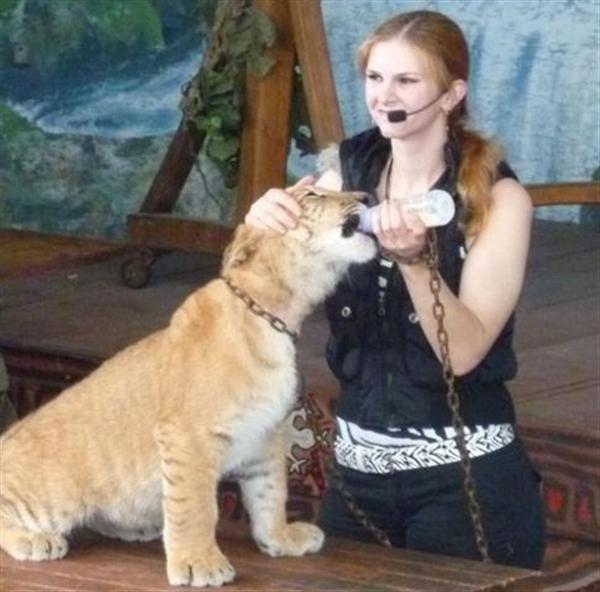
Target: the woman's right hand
(277, 209)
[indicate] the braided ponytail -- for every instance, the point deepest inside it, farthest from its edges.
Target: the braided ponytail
(478, 159)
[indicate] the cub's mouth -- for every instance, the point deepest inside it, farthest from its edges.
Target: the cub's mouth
(350, 226)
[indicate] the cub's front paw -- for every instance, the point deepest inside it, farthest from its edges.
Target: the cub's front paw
(200, 569)
(294, 539)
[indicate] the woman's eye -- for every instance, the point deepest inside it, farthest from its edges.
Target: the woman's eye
(405, 80)
(372, 76)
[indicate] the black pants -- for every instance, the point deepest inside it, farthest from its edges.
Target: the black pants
(425, 509)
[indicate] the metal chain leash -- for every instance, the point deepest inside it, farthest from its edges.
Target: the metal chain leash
(439, 312)
(474, 509)
(432, 259)
(280, 326)
(275, 322)
(354, 508)
(337, 478)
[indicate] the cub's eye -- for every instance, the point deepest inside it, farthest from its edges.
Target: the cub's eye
(350, 226)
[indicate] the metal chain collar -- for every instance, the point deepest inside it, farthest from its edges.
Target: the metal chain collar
(432, 260)
(254, 307)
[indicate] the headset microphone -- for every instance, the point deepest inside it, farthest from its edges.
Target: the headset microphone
(400, 115)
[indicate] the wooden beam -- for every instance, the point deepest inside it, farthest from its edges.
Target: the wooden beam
(319, 85)
(265, 136)
(170, 232)
(555, 194)
(174, 169)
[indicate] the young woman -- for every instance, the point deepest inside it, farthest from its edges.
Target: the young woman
(395, 443)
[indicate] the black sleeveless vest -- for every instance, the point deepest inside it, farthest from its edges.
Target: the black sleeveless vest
(389, 374)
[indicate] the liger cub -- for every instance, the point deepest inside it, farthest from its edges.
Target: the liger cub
(136, 449)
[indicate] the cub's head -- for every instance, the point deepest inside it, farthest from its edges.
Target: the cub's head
(329, 225)
(327, 235)
(298, 269)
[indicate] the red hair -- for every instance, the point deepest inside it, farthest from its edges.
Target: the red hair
(442, 42)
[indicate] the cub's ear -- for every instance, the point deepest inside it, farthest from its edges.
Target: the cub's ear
(242, 248)
(302, 191)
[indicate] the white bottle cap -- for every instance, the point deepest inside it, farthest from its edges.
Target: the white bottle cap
(435, 208)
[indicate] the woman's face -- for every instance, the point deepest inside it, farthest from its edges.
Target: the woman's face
(398, 76)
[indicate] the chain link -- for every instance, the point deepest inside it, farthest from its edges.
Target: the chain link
(336, 476)
(254, 307)
(439, 312)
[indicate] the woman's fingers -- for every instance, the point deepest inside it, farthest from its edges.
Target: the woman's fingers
(276, 210)
(392, 222)
(414, 224)
(399, 231)
(278, 199)
(397, 227)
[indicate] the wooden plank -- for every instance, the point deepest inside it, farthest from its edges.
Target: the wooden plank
(24, 252)
(101, 564)
(265, 136)
(170, 232)
(319, 86)
(554, 194)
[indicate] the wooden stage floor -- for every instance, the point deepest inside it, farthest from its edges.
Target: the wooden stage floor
(78, 306)
(83, 309)
(341, 566)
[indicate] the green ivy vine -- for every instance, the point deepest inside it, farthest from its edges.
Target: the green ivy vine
(213, 99)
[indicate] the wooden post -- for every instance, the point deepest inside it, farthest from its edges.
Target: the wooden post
(265, 137)
(174, 169)
(317, 77)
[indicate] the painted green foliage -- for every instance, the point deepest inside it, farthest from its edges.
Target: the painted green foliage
(129, 23)
(59, 33)
(69, 182)
(7, 6)
(12, 123)
(66, 183)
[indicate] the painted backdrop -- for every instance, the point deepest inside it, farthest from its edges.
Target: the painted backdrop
(89, 94)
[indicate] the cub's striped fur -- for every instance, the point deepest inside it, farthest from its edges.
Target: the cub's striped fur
(137, 449)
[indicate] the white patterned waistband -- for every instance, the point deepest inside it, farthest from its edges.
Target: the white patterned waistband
(372, 452)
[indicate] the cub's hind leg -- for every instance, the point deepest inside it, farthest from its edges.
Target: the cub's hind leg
(189, 480)
(31, 525)
(264, 489)
(25, 544)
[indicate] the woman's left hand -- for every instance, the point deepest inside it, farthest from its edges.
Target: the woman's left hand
(400, 233)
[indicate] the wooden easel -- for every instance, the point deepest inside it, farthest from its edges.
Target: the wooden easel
(264, 142)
